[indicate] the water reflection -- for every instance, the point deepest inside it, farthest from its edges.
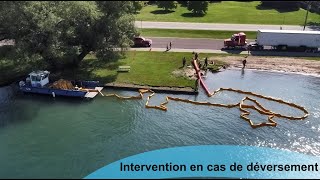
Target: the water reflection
(76, 137)
(242, 73)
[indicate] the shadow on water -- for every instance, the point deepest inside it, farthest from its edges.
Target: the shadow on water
(10, 110)
(192, 15)
(162, 12)
(17, 107)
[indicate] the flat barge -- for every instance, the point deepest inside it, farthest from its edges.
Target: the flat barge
(37, 82)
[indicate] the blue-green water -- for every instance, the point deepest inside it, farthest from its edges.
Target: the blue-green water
(42, 137)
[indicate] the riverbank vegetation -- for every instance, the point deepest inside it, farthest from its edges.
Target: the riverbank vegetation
(236, 12)
(184, 33)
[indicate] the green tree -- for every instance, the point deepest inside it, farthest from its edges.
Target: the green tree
(183, 3)
(198, 7)
(167, 5)
(64, 32)
(137, 5)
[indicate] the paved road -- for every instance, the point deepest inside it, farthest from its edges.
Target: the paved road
(253, 53)
(187, 43)
(216, 26)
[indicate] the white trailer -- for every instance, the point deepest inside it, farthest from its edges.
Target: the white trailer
(287, 40)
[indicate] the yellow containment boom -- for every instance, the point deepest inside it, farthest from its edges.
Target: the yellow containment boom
(242, 106)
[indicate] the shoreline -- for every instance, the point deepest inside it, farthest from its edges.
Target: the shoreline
(187, 90)
(294, 65)
(274, 71)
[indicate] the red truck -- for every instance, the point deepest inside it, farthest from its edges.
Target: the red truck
(236, 41)
(142, 42)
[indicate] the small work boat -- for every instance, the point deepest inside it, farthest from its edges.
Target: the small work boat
(38, 82)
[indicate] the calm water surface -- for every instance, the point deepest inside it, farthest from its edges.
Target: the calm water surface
(42, 137)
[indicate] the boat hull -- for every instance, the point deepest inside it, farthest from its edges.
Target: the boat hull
(53, 92)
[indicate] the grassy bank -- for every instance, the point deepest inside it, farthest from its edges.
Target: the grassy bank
(147, 68)
(229, 12)
(181, 33)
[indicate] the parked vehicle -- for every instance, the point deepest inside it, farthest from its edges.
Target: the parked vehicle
(142, 42)
(287, 40)
(236, 41)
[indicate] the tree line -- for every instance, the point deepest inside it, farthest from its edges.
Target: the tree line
(62, 33)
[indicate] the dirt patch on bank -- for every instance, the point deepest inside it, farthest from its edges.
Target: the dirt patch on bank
(188, 72)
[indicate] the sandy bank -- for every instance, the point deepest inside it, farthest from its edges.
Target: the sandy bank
(280, 64)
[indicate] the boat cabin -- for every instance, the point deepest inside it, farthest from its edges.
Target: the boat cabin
(38, 78)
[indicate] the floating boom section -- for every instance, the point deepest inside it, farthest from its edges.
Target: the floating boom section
(242, 106)
(196, 67)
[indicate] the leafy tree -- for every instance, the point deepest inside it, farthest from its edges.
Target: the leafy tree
(64, 32)
(137, 5)
(183, 3)
(167, 5)
(152, 2)
(198, 7)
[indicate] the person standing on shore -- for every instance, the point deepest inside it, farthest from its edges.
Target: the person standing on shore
(196, 56)
(197, 85)
(244, 62)
(206, 62)
(170, 45)
(184, 61)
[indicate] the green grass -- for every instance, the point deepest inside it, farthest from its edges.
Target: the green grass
(229, 12)
(192, 33)
(147, 68)
(151, 68)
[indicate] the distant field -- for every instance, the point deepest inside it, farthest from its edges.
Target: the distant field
(192, 33)
(229, 12)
